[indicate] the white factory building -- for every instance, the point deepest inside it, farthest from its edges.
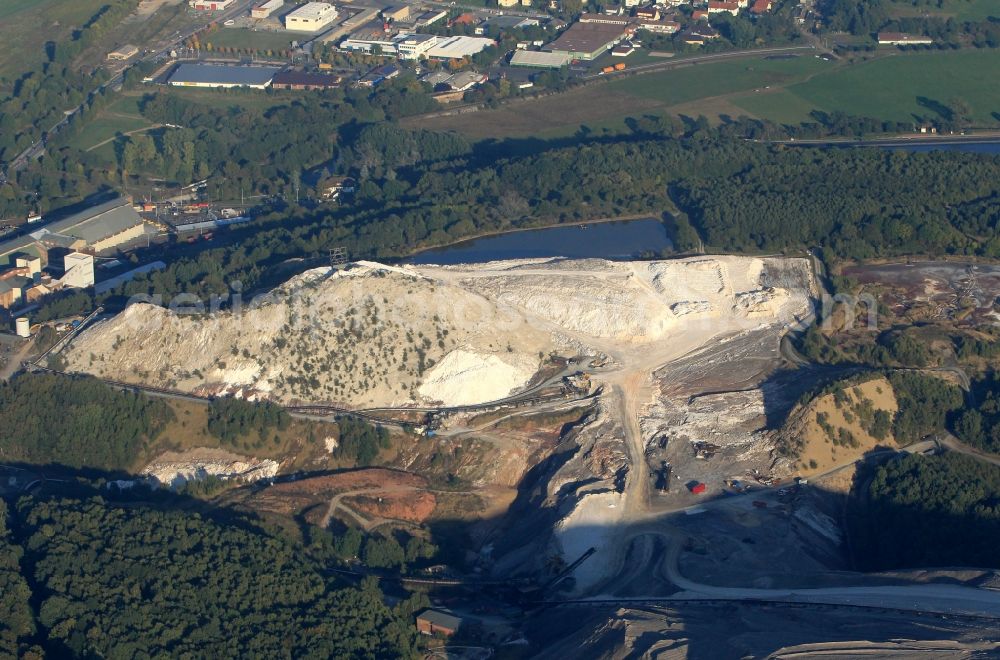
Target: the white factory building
(310, 17)
(412, 46)
(78, 270)
(455, 48)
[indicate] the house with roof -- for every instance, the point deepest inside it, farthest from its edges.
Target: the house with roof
(438, 622)
(723, 6)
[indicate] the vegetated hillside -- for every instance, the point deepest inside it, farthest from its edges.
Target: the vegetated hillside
(846, 420)
(851, 416)
(76, 422)
(925, 511)
(111, 581)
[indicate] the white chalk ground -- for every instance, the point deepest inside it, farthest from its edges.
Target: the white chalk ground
(463, 377)
(376, 335)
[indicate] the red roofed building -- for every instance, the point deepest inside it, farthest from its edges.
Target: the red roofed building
(721, 6)
(698, 488)
(699, 15)
(761, 7)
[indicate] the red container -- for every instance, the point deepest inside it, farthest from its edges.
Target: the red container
(698, 488)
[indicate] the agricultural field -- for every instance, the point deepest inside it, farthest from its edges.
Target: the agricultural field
(895, 86)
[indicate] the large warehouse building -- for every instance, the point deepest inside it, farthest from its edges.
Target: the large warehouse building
(222, 75)
(310, 17)
(97, 229)
(587, 41)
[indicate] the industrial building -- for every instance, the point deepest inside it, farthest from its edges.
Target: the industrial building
(210, 5)
(455, 48)
(99, 228)
(126, 52)
(310, 17)
(540, 59)
(901, 39)
(588, 40)
(370, 40)
(413, 46)
(78, 270)
(266, 9)
(302, 80)
(222, 75)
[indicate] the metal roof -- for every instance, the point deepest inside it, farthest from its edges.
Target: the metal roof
(305, 78)
(222, 74)
(540, 59)
(96, 224)
(589, 38)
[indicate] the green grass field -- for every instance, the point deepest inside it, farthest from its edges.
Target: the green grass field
(891, 88)
(702, 81)
(25, 26)
(106, 127)
(895, 87)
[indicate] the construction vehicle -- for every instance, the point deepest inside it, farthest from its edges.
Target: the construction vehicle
(620, 66)
(608, 69)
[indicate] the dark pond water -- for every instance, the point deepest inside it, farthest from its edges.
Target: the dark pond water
(606, 240)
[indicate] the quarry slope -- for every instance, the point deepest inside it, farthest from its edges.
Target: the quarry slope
(376, 335)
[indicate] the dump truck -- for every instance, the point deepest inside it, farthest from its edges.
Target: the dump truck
(608, 69)
(620, 66)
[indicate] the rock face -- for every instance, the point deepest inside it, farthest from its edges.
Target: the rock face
(376, 335)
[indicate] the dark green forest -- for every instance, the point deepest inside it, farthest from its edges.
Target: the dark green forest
(926, 511)
(76, 422)
(110, 581)
(979, 425)
(358, 441)
(925, 404)
(231, 419)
